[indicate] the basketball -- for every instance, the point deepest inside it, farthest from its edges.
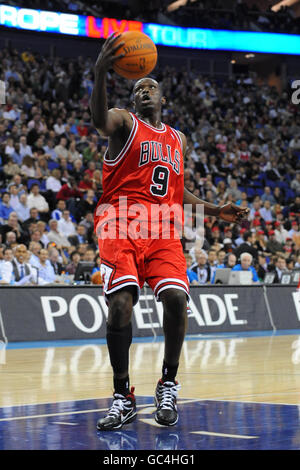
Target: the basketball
(96, 278)
(140, 55)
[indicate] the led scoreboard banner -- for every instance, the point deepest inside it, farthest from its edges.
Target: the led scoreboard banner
(195, 38)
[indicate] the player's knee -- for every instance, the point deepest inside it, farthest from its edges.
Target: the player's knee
(120, 310)
(175, 301)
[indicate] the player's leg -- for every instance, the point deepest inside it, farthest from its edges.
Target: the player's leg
(119, 337)
(174, 326)
(121, 289)
(166, 275)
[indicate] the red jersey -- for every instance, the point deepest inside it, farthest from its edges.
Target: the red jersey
(148, 171)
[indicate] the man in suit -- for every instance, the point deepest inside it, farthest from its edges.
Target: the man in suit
(18, 272)
(280, 269)
(201, 267)
(247, 246)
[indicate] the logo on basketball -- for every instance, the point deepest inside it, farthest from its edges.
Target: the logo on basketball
(142, 63)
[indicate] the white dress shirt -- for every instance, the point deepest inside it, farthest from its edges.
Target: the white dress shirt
(7, 273)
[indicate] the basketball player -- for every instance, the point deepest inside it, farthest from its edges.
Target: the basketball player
(145, 164)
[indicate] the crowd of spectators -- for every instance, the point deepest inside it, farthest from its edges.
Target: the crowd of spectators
(243, 146)
(215, 14)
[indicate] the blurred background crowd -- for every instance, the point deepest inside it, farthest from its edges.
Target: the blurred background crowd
(243, 146)
(248, 15)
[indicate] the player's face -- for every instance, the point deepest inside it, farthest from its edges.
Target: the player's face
(147, 95)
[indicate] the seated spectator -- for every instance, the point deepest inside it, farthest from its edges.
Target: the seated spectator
(280, 268)
(28, 167)
(60, 207)
(8, 254)
(10, 239)
(82, 129)
(91, 168)
(17, 181)
(266, 212)
(87, 204)
(61, 149)
(245, 265)
(278, 196)
(41, 227)
(33, 218)
(261, 242)
(229, 262)
(59, 126)
(78, 169)
(36, 236)
(9, 148)
(5, 207)
(192, 276)
(80, 236)
(97, 183)
(268, 196)
(262, 266)
(73, 154)
(54, 258)
(35, 199)
(247, 245)
(69, 191)
(295, 183)
(212, 261)
(295, 206)
(97, 264)
(89, 255)
(34, 248)
(56, 236)
(46, 274)
(24, 148)
(18, 271)
(201, 267)
(42, 171)
(65, 224)
(13, 225)
(85, 183)
(256, 207)
(72, 266)
(272, 245)
(281, 234)
(49, 149)
(221, 255)
(14, 196)
(10, 168)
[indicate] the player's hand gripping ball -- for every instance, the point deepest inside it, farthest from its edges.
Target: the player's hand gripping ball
(140, 55)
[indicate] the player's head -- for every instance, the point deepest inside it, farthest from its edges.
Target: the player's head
(147, 96)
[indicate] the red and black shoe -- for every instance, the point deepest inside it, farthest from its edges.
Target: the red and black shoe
(122, 411)
(166, 403)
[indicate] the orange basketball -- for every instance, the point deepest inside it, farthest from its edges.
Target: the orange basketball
(140, 55)
(96, 278)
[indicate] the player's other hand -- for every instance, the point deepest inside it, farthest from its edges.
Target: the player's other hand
(107, 55)
(233, 213)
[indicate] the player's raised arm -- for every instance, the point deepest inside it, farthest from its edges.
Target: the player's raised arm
(106, 121)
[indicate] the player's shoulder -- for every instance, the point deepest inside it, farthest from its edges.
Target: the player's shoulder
(182, 137)
(121, 116)
(121, 111)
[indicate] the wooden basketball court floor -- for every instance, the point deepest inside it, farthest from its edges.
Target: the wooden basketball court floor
(238, 391)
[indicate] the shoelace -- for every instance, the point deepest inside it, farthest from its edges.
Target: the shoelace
(167, 394)
(118, 405)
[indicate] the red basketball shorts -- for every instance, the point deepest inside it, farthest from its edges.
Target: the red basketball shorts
(159, 262)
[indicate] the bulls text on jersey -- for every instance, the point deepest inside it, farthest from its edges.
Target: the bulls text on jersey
(151, 151)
